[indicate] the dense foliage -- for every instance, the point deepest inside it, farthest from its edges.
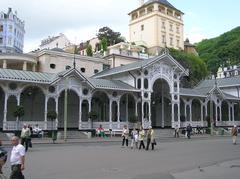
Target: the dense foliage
(197, 68)
(221, 51)
(111, 36)
(89, 50)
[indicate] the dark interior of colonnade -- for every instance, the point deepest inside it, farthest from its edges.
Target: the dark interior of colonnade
(11, 107)
(72, 110)
(1, 107)
(127, 107)
(33, 101)
(161, 108)
(100, 105)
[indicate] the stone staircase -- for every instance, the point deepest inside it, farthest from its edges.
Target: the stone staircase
(73, 134)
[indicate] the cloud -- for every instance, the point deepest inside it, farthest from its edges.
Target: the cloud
(195, 34)
(75, 18)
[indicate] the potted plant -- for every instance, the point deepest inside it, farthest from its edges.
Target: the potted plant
(92, 115)
(208, 119)
(52, 115)
(18, 113)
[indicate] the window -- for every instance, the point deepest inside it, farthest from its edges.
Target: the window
(171, 27)
(10, 28)
(67, 67)
(177, 43)
(1, 40)
(178, 30)
(52, 66)
(142, 27)
(145, 83)
(105, 66)
(9, 40)
(139, 85)
(163, 39)
(96, 71)
(83, 70)
(171, 41)
(1, 28)
(163, 25)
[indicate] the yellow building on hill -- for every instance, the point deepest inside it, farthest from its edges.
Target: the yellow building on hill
(156, 24)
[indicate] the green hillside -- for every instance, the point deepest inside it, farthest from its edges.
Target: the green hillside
(221, 51)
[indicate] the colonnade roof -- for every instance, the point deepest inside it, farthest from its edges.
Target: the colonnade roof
(222, 82)
(204, 92)
(139, 65)
(49, 78)
(25, 76)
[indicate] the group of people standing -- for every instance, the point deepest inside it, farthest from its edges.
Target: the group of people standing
(138, 137)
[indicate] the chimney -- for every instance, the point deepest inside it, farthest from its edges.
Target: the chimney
(141, 2)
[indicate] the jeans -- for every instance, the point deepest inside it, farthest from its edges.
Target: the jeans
(26, 142)
(123, 141)
(141, 144)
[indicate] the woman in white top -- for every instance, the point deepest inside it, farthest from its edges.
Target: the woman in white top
(134, 135)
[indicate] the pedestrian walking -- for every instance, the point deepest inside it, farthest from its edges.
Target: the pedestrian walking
(176, 131)
(234, 134)
(150, 138)
(25, 135)
(141, 138)
(30, 136)
(125, 134)
(189, 131)
(17, 159)
(134, 136)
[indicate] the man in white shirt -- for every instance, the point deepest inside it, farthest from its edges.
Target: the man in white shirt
(17, 159)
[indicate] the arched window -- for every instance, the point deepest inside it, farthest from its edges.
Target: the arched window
(139, 85)
(145, 83)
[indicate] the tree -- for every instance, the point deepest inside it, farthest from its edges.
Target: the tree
(222, 51)
(111, 36)
(197, 67)
(89, 50)
(104, 45)
(52, 115)
(19, 112)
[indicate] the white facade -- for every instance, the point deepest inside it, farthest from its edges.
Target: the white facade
(157, 24)
(148, 89)
(59, 41)
(11, 33)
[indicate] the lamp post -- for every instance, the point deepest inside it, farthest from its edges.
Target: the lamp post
(211, 114)
(211, 105)
(65, 111)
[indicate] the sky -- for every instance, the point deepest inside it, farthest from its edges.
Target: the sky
(80, 20)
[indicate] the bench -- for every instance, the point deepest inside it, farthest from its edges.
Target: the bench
(111, 132)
